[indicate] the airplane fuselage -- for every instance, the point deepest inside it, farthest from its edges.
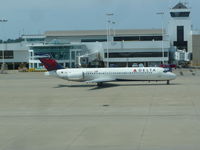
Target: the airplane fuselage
(116, 74)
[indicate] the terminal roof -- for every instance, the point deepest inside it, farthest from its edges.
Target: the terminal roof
(103, 32)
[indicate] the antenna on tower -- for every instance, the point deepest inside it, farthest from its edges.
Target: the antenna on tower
(169, 3)
(186, 3)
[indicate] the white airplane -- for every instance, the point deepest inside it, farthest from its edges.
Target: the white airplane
(101, 75)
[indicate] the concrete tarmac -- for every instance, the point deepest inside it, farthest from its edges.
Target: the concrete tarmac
(44, 113)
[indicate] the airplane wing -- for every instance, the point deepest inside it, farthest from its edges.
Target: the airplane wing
(98, 80)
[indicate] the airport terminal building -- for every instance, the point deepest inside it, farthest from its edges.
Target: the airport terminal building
(178, 43)
(123, 48)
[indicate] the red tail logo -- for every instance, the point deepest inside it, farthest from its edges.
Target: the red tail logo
(50, 64)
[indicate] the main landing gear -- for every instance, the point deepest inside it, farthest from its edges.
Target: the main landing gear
(99, 84)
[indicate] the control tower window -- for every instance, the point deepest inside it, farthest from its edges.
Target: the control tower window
(180, 33)
(180, 14)
(180, 43)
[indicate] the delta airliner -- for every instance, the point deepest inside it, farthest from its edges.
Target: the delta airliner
(101, 75)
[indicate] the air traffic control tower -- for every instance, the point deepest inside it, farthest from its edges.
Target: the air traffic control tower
(180, 27)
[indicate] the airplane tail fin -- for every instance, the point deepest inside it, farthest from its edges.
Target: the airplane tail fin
(49, 63)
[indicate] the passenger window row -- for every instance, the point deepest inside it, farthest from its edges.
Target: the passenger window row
(117, 72)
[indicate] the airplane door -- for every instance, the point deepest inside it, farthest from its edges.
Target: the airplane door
(83, 75)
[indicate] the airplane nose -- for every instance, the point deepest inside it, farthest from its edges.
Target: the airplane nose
(172, 75)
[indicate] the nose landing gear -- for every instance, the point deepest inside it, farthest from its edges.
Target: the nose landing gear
(168, 82)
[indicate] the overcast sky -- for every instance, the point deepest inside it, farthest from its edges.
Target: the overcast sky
(38, 16)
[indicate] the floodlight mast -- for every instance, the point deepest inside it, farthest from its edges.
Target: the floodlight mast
(108, 34)
(3, 59)
(162, 14)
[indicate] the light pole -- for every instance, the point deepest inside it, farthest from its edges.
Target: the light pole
(3, 61)
(162, 14)
(113, 28)
(108, 34)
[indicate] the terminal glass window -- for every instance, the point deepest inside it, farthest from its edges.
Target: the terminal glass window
(138, 38)
(7, 55)
(136, 54)
(57, 52)
(35, 40)
(93, 40)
